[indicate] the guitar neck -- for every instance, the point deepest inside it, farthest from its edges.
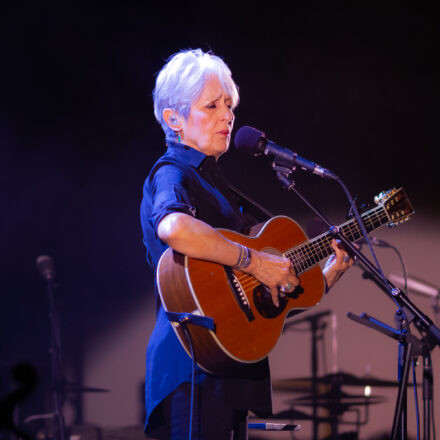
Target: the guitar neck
(310, 253)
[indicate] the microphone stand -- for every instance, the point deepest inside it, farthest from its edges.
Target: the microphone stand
(55, 351)
(45, 266)
(408, 310)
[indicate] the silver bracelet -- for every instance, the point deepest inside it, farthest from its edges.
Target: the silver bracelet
(244, 258)
(240, 256)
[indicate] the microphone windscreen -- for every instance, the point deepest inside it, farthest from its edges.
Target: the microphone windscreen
(247, 140)
(46, 266)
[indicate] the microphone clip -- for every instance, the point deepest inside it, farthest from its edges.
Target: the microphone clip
(284, 174)
(281, 167)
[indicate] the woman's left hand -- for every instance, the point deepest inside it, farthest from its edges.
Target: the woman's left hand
(337, 264)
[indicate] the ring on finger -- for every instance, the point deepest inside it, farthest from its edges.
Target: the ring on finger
(346, 258)
(287, 287)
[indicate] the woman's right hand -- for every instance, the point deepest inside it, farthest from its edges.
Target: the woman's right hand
(274, 271)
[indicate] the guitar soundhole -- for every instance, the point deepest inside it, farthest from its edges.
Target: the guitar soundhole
(263, 302)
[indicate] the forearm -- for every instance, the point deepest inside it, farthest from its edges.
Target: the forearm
(196, 239)
(331, 276)
(337, 264)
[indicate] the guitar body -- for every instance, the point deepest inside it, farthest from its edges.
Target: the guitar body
(247, 324)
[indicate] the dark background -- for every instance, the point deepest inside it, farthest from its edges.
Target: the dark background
(354, 88)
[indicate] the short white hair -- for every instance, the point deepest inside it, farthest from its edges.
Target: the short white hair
(181, 81)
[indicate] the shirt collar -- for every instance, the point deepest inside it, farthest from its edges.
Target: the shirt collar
(186, 154)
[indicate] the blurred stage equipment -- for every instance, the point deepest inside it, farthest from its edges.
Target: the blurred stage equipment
(410, 348)
(316, 325)
(26, 378)
(270, 426)
(324, 394)
(421, 287)
(331, 398)
(46, 266)
(340, 379)
(336, 403)
(416, 285)
(336, 400)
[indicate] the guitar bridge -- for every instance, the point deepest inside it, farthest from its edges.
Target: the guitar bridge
(239, 293)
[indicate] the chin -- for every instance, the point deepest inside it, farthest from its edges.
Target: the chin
(222, 150)
(224, 146)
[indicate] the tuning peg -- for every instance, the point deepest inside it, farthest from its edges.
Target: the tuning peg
(379, 197)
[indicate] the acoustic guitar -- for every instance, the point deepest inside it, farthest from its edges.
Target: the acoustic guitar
(247, 323)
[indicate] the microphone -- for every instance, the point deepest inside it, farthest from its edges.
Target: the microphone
(252, 141)
(46, 267)
(416, 285)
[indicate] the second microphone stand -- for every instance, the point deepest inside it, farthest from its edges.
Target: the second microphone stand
(56, 366)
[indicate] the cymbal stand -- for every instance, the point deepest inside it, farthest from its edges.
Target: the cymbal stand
(315, 325)
(410, 348)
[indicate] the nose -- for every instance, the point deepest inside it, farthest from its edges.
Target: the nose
(228, 114)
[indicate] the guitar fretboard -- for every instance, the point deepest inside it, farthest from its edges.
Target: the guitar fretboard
(310, 253)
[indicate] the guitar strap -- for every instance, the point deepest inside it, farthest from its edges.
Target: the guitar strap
(252, 202)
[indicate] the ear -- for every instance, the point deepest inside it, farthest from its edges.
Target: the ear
(172, 119)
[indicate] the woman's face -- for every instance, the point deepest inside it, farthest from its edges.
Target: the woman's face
(209, 125)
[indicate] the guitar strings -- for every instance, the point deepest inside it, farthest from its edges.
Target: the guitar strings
(306, 261)
(305, 255)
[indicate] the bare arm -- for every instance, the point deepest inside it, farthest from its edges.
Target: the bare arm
(197, 239)
(194, 238)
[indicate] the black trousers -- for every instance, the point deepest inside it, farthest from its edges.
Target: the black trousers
(212, 419)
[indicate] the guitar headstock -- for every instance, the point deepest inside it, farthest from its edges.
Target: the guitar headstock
(396, 205)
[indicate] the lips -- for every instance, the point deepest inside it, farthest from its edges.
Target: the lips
(224, 132)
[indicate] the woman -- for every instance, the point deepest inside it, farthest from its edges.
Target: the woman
(185, 199)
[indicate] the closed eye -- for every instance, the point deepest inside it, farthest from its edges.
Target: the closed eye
(228, 104)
